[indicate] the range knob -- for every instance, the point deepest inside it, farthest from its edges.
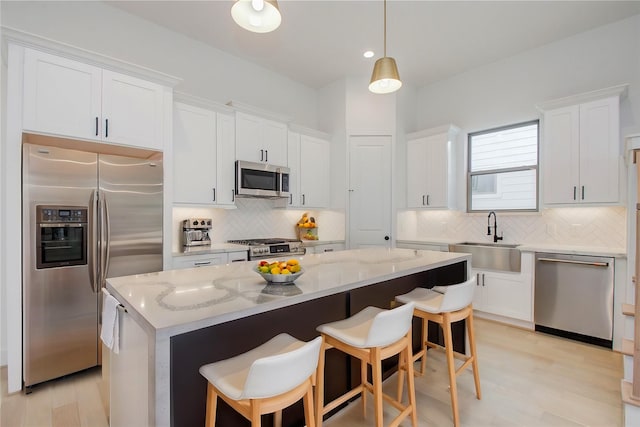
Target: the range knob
(195, 222)
(209, 222)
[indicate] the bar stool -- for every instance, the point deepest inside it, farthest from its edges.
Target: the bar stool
(445, 305)
(265, 379)
(371, 335)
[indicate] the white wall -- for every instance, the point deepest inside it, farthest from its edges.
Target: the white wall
(507, 91)
(206, 72)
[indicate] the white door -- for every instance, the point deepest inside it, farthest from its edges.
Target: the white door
(369, 191)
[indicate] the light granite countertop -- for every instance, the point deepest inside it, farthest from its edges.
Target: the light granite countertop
(309, 243)
(177, 301)
(539, 247)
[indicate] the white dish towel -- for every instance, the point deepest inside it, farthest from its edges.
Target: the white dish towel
(110, 333)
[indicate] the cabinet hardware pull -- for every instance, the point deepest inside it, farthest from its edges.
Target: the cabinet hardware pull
(477, 279)
(574, 192)
(290, 199)
(214, 194)
(583, 192)
(482, 279)
(233, 195)
(427, 200)
(266, 155)
(423, 200)
(262, 155)
(96, 126)
(202, 263)
(303, 199)
(106, 128)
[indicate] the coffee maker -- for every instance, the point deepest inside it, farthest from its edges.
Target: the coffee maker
(195, 232)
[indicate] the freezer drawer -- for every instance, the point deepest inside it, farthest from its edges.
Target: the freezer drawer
(574, 296)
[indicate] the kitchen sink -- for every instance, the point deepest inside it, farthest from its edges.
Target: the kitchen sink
(491, 256)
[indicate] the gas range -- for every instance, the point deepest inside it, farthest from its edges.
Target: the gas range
(272, 248)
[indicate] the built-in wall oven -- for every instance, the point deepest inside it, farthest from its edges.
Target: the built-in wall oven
(261, 180)
(61, 236)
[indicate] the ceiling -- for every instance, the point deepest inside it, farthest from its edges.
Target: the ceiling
(320, 42)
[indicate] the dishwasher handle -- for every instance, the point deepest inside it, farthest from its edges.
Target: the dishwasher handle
(570, 261)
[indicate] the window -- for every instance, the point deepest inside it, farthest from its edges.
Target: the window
(503, 169)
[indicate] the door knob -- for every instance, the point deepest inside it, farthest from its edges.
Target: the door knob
(386, 237)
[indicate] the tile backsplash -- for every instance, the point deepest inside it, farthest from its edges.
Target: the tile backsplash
(257, 218)
(593, 226)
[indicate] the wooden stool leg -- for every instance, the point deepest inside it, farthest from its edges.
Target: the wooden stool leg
(472, 345)
(320, 385)
(255, 413)
(363, 378)
(307, 401)
(448, 343)
(376, 367)
(402, 369)
(277, 418)
(425, 338)
(411, 390)
(212, 402)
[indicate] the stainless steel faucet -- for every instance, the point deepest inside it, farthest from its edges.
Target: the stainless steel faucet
(495, 227)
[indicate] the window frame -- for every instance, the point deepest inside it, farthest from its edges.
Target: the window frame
(470, 174)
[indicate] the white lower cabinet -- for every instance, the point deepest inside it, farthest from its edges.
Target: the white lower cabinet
(505, 293)
(203, 260)
(329, 247)
(237, 256)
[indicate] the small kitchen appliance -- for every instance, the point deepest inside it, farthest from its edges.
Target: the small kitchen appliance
(195, 232)
(272, 248)
(261, 180)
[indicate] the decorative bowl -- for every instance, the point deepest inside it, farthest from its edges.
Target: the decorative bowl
(280, 279)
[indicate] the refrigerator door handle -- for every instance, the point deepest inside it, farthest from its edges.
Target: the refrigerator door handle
(106, 240)
(92, 242)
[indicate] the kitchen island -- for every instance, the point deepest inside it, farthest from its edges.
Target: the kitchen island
(175, 321)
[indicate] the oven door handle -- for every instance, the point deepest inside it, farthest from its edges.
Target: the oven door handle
(92, 242)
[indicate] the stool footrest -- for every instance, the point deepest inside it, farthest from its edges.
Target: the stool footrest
(340, 400)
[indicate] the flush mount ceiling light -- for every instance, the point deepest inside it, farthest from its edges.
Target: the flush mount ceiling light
(258, 16)
(385, 77)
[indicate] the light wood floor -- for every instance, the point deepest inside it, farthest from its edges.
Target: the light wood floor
(528, 379)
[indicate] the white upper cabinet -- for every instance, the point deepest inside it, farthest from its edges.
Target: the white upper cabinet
(309, 170)
(581, 154)
(72, 99)
(431, 168)
(203, 156)
(260, 140)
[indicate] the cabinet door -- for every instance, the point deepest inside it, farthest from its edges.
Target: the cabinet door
(132, 111)
(194, 155)
(507, 295)
(561, 150)
(479, 302)
(314, 172)
(416, 173)
(437, 179)
(599, 151)
(61, 96)
(274, 142)
(248, 138)
(293, 155)
(226, 150)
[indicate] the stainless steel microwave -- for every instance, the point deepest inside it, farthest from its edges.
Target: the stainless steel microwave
(261, 180)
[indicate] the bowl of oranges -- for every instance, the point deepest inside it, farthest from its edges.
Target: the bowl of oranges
(280, 272)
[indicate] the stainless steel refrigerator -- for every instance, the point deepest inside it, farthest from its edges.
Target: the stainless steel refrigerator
(86, 216)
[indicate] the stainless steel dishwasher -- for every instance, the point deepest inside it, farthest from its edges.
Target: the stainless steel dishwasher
(574, 297)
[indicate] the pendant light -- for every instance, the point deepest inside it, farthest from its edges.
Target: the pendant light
(385, 77)
(258, 16)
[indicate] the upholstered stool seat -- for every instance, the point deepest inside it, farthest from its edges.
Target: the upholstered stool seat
(265, 379)
(371, 335)
(445, 305)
